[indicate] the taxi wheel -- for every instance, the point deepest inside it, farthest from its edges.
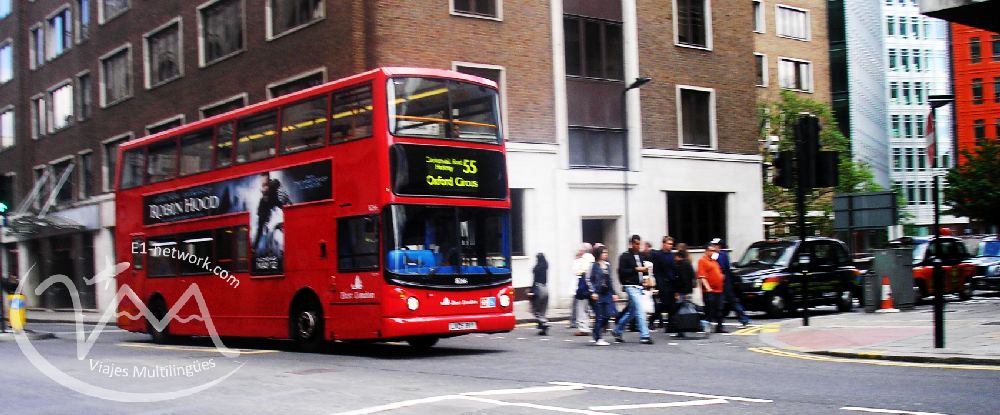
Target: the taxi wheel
(422, 343)
(967, 291)
(776, 305)
(845, 301)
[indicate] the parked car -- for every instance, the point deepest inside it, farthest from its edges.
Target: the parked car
(987, 262)
(770, 274)
(955, 260)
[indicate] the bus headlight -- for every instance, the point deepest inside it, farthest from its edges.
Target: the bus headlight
(412, 303)
(504, 300)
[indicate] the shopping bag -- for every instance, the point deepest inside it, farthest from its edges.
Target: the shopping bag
(647, 303)
(685, 319)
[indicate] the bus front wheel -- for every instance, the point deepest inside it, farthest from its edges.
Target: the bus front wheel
(158, 308)
(306, 323)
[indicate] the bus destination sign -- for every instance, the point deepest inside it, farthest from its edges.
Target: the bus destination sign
(419, 170)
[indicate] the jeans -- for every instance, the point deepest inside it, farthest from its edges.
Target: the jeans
(634, 310)
(734, 302)
(603, 311)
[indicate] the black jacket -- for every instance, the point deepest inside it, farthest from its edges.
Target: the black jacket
(664, 269)
(684, 283)
(627, 275)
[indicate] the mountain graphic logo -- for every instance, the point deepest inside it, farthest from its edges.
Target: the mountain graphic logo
(446, 301)
(357, 283)
(85, 343)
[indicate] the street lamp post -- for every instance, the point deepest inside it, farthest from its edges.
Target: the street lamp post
(938, 101)
(638, 83)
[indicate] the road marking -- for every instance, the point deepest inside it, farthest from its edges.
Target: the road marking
(536, 389)
(400, 405)
(659, 405)
(887, 411)
(534, 406)
(191, 348)
(662, 392)
(783, 353)
(755, 330)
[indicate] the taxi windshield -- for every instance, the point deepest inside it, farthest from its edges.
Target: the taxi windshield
(777, 254)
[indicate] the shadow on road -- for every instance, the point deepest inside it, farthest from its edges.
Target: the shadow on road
(376, 350)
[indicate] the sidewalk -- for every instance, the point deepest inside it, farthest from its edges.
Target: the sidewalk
(972, 334)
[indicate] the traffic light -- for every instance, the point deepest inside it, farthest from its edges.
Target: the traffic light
(783, 169)
(827, 169)
(807, 140)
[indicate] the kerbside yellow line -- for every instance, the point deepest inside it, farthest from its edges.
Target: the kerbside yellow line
(755, 330)
(784, 353)
(190, 348)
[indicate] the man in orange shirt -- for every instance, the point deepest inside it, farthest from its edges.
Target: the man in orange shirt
(712, 282)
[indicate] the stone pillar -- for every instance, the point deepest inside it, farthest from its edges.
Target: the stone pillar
(104, 258)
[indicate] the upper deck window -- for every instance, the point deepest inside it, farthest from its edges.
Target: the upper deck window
(352, 114)
(162, 163)
(437, 108)
(303, 125)
(132, 166)
(255, 137)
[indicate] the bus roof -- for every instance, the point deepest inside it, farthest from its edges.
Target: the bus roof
(323, 88)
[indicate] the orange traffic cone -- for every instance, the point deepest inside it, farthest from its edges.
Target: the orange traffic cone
(886, 306)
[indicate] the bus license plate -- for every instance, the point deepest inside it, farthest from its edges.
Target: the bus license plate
(464, 325)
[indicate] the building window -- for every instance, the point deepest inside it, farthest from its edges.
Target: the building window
(890, 26)
(7, 192)
(593, 48)
(60, 33)
(224, 106)
(481, 8)
(795, 74)
(975, 50)
(82, 19)
(38, 113)
(907, 98)
(893, 92)
(908, 126)
(65, 192)
(7, 128)
(977, 91)
(761, 65)
(84, 103)
(897, 159)
(693, 23)
(893, 59)
(221, 30)
(979, 132)
(517, 222)
(110, 9)
(792, 22)
(4, 8)
(61, 112)
(164, 61)
(111, 159)
(37, 46)
(995, 42)
(696, 112)
(86, 175)
(286, 15)
(164, 125)
(6, 62)
(596, 147)
(758, 16)
(911, 162)
(116, 76)
(696, 217)
(296, 83)
(895, 125)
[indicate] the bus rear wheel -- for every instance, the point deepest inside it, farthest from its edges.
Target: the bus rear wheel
(422, 343)
(306, 325)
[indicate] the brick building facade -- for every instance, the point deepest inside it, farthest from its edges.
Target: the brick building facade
(686, 165)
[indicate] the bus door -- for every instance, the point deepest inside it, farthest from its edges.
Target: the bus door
(357, 280)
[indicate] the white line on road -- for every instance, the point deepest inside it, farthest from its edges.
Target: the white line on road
(536, 389)
(887, 411)
(400, 405)
(534, 406)
(662, 392)
(659, 405)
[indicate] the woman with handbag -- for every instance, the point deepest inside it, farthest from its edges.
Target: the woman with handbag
(602, 298)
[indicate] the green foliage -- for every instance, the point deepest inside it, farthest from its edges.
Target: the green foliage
(779, 119)
(973, 188)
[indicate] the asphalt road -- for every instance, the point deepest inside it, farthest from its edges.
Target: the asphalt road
(513, 373)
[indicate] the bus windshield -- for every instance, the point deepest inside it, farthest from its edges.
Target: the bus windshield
(438, 108)
(433, 240)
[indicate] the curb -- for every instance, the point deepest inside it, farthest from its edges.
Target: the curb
(66, 321)
(950, 360)
(532, 320)
(32, 335)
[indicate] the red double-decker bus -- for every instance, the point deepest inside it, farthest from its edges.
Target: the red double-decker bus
(374, 207)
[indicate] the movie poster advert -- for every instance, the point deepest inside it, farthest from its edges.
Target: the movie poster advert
(264, 195)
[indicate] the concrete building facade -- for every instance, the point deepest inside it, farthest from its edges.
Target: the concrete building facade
(684, 162)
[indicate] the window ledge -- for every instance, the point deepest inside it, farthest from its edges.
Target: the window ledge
(223, 58)
(113, 103)
(477, 16)
(695, 47)
(696, 147)
(805, 91)
(162, 83)
(806, 39)
(294, 29)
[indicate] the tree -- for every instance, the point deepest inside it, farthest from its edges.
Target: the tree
(779, 119)
(974, 186)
